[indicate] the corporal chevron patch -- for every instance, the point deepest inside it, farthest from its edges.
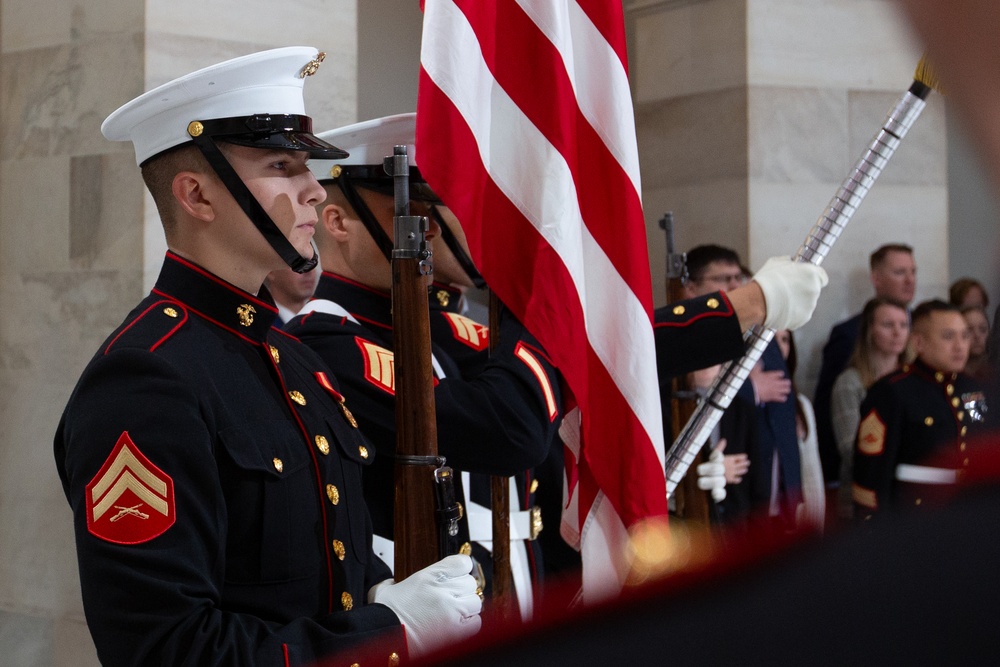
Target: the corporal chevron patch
(469, 332)
(129, 500)
(379, 365)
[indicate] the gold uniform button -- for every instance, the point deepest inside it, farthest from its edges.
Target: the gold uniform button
(346, 601)
(363, 451)
(534, 486)
(322, 444)
(333, 494)
(342, 404)
(274, 354)
(712, 303)
(939, 377)
(961, 415)
(338, 548)
(394, 659)
(278, 465)
(917, 501)
(678, 310)
(962, 447)
(465, 549)
(170, 312)
(965, 462)
(965, 429)
(354, 664)
(297, 397)
(950, 389)
(928, 421)
(955, 402)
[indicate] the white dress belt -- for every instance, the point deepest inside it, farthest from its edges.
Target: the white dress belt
(907, 472)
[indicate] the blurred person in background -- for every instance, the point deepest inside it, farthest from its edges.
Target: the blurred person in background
(880, 349)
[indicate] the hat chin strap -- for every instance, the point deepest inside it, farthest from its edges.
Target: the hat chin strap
(261, 220)
(456, 249)
(366, 216)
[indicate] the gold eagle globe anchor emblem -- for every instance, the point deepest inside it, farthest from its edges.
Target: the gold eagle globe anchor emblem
(245, 312)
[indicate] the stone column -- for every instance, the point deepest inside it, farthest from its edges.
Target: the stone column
(750, 114)
(80, 242)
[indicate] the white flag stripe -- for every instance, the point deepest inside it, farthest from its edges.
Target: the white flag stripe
(596, 74)
(604, 570)
(517, 161)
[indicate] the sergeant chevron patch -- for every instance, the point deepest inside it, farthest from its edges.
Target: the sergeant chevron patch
(130, 500)
(871, 435)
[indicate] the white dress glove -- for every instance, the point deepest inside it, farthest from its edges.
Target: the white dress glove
(437, 605)
(791, 290)
(712, 476)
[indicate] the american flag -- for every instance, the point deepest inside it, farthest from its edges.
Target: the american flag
(525, 129)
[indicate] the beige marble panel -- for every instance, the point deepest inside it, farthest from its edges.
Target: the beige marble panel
(35, 196)
(56, 98)
(797, 135)
(833, 43)
(57, 319)
(922, 156)
(26, 639)
(320, 23)
(73, 645)
(709, 212)
(38, 569)
(689, 49)
(44, 23)
(105, 218)
(693, 139)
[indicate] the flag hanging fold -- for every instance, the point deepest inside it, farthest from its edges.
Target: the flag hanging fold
(525, 130)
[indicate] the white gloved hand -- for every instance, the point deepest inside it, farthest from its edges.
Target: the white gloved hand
(712, 476)
(437, 605)
(791, 290)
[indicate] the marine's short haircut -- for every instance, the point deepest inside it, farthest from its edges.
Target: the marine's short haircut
(699, 257)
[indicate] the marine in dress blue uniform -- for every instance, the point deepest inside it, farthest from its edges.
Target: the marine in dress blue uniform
(212, 462)
(914, 438)
(198, 416)
(913, 442)
(495, 415)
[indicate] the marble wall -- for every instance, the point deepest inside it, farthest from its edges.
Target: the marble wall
(750, 114)
(80, 242)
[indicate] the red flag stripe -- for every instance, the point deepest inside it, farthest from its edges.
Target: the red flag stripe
(603, 187)
(618, 475)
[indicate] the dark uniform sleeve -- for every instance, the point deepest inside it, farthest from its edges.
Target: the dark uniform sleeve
(875, 451)
(500, 423)
(158, 601)
(696, 333)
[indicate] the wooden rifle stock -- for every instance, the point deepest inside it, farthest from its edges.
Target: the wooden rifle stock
(415, 523)
(692, 503)
(503, 581)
